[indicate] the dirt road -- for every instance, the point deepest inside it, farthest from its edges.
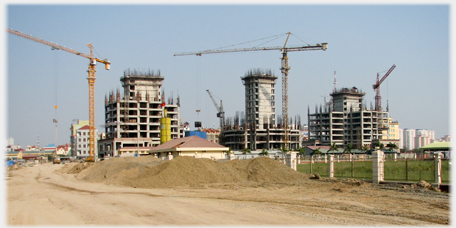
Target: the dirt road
(41, 196)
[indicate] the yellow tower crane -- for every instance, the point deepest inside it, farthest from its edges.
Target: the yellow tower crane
(284, 69)
(90, 78)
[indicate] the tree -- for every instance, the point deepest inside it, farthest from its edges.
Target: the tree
(302, 152)
(333, 147)
(284, 150)
(392, 146)
(264, 152)
(380, 146)
(348, 148)
(365, 148)
(246, 151)
(317, 151)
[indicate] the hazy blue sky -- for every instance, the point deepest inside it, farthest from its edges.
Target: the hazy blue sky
(362, 40)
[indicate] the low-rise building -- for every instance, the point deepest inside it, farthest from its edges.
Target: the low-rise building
(189, 146)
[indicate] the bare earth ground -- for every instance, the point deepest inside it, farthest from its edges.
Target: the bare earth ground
(50, 194)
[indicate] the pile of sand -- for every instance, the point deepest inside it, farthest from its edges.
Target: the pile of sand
(150, 172)
(75, 168)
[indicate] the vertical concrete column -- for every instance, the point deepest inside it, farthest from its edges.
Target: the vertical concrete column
(437, 168)
(312, 159)
(326, 158)
(331, 166)
(395, 157)
(351, 156)
(338, 158)
(378, 166)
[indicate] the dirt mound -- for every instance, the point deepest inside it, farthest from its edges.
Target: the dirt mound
(118, 170)
(149, 172)
(74, 168)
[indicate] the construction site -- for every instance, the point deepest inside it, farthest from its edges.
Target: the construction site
(148, 168)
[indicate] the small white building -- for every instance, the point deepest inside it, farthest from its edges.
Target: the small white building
(82, 142)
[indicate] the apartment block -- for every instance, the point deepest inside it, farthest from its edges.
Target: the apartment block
(73, 129)
(409, 138)
(82, 142)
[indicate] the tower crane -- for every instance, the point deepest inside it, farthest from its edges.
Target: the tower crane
(221, 113)
(91, 79)
(284, 69)
(376, 86)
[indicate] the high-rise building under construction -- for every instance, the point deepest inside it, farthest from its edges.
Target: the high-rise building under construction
(260, 128)
(132, 123)
(347, 121)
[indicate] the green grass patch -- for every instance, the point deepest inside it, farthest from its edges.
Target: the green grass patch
(410, 170)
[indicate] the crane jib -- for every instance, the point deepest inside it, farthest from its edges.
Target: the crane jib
(323, 47)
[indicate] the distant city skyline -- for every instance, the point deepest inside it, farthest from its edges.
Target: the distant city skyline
(363, 40)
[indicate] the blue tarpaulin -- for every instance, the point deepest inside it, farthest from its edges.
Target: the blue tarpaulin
(10, 163)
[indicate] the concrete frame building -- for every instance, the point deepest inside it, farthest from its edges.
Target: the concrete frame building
(134, 120)
(259, 98)
(212, 135)
(258, 130)
(347, 121)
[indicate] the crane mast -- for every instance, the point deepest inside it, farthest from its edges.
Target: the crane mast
(91, 79)
(221, 113)
(376, 86)
(284, 69)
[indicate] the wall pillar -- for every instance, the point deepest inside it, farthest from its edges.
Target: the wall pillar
(378, 166)
(437, 168)
(291, 160)
(331, 166)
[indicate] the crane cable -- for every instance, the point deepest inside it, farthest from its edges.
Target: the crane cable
(55, 120)
(275, 37)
